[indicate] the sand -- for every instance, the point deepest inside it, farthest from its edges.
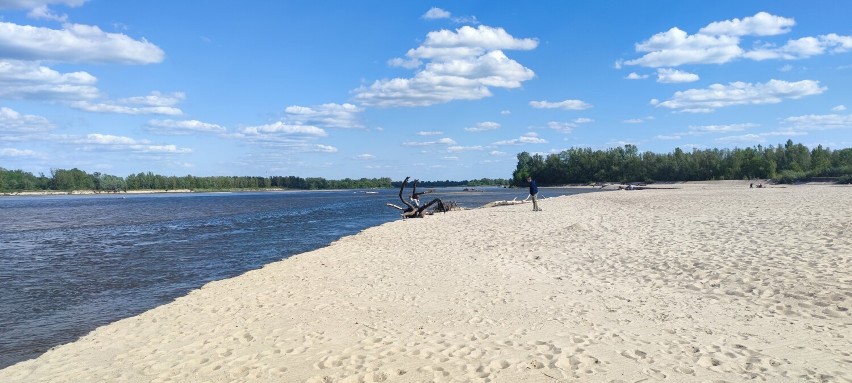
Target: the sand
(712, 282)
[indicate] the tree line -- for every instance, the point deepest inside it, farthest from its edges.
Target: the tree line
(76, 179)
(785, 164)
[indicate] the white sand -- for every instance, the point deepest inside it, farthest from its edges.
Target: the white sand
(713, 282)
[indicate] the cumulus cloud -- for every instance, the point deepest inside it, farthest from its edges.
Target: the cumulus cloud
(96, 141)
(282, 135)
(667, 137)
(459, 148)
(324, 148)
(721, 128)
(326, 115)
(183, 127)
(673, 76)
(819, 122)
(436, 13)
(14, 122)
(461, 65)
(838, 108)
(31, 4)
(528, 138)
(282, 129)
(761, 24)
(430, 133)
(29, 80)
(442, 141)
(75, 43)
(483, 126)
(366, 157)
(564, 127)
(154, 103)
(17, 153)
(567, 105)
(636, 76)
(802, 48)
(720, 42)
(739, 93)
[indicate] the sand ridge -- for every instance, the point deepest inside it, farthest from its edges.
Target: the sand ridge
(709, 282)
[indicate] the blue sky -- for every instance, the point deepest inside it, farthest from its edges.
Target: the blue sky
(434, 90)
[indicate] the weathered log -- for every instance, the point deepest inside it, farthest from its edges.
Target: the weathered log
(411, 211)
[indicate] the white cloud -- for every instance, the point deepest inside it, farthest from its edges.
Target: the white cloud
(567, 105)
(820, 122)
(121, 109)
(154, 103)
(43, 13)
(436, 13)
(96, 141)
(675, 47)
(442, 141)
(583, 120)
(31, 4)
(528, 138)
(462, 65)
(638, 120)
(719, 43)
(505, 112)
(802, 48)
(483, 126)
(721, 128)
(29, 80)
(636, 76)
(282, 129)
(665, 137)
(17, 153)
(497, 153)
(183, 127)
(403, 63)
(450, 158)
(458, 148)
(154, 99)
(785, 68)
(324, 148)
(325, 115)
(430, 133)
(742, 138)
(14, 122)
(761, 24)
(739, 93)
(564, 127)
(366, 157)
(75, 43)
(673, 76)
(838, 108)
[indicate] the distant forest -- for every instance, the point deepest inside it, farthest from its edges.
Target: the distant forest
(76, 179)
(786, 163)
(789, 163)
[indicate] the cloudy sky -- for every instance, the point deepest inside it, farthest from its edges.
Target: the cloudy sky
(434, 90)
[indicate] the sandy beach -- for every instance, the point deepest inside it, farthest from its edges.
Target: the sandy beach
(709, 282)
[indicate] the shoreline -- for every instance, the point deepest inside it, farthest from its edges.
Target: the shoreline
(703, 282)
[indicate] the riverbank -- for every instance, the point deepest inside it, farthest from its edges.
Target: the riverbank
(705, 282)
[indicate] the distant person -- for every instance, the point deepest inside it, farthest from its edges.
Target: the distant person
(533, 193)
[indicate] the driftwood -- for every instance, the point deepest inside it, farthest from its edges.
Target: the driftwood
(412, 211)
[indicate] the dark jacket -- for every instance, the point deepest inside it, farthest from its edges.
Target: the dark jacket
(533, 188)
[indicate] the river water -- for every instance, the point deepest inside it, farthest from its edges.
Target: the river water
(69, 264)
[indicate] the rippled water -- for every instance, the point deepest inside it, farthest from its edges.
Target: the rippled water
(69, 264)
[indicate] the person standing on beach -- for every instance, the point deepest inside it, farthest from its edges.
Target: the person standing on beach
(533, 193)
